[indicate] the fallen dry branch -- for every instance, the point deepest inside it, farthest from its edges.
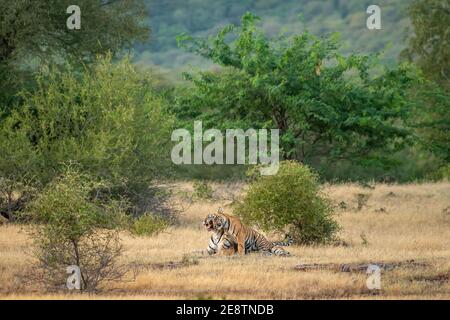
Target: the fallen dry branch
(159, 266)
(359, 267)
(440, 278)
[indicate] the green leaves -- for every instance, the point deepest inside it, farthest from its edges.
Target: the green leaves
(76, 223)
(69, 207)
(290, 200)
(108, 120)
(35, 34)
(324, 104)
(429, 47)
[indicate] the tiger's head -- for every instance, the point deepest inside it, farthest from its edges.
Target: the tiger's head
(215, 222)
(219, 222)
(209, 222)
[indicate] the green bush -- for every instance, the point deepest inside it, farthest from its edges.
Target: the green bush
(108, 119)
(443, 173)
(289, 201)
(73, 226)
(148, 225)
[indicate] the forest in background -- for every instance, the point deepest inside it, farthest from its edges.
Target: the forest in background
(168, 19)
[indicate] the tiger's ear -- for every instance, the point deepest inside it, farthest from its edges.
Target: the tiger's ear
(220, 210)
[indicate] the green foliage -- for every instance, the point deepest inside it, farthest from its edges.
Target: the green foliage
(17, 157)
(202, 190)
(14, 194)
(431, 119)
(326, 105)
(443, 173)
(413, 163)
(108, 120)
(17, 165)
(148, 225)
(35, 33)
(73, 226)
(290, 199)
(429, 46)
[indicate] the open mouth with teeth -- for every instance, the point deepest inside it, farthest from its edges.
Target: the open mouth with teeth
(209, 225)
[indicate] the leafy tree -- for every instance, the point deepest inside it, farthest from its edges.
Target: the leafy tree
(325, 104)
(429, 46)
(35, 32)
(430, 49)
(432, 119)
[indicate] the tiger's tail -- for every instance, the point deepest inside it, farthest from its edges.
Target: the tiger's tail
(278, 251)
(288, 240)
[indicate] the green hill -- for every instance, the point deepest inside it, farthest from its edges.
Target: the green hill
(169, 18)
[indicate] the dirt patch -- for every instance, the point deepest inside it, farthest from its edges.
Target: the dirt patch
(186, 261)
(359, 267)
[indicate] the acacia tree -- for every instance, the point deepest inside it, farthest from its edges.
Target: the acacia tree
(325, 104)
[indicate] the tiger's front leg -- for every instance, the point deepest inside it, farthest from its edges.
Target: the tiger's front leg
(241, 244)
(227, 252)
(228, 245)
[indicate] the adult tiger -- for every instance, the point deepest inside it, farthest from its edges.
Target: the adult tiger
(231, 229)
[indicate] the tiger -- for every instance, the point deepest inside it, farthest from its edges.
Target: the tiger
(247, 239)
(219, 240)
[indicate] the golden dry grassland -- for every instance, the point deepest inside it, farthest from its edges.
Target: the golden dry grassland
(395, 223)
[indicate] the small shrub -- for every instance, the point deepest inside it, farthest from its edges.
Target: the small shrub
(189, 260)
(364, 240)
(343, 205)
(361, 199)
(71, 227)
(291, 200)
(202, 190)
(148, 225)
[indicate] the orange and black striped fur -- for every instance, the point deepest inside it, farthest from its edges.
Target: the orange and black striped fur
(231, 229)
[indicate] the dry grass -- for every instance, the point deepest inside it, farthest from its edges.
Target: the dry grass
(397, 223)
